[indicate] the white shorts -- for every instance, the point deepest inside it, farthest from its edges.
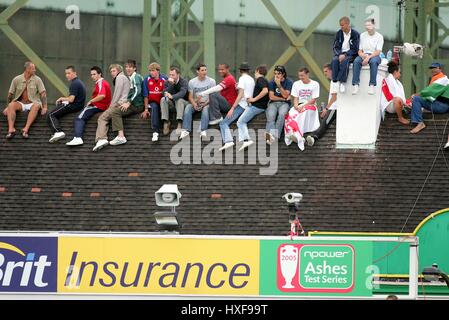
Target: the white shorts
(26, 107)
(390, 108)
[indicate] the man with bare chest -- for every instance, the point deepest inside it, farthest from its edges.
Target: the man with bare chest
(26, 93)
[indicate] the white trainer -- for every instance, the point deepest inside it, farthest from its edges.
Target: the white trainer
(75, 142)
(246, 144)
(342, 88)
(310, 141)
(227, 145)
(214, 122)
(100, 145)
(447, 145)
(203, 134)
(155, 137)
(57, 136)
(118, 141)
(184, 133)
(355, 89)
(371, 90)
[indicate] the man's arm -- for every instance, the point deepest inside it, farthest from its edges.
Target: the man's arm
(355, 43)
(96, 99)
(10, 97)
(182, 92)
(44, 102)
(262, 94)
(337, 46)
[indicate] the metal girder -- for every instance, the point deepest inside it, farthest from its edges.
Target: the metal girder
(169, 40)
(297, 43)
(26, 50)
(422, 25)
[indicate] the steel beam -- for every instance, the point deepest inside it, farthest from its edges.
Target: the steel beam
(146, 36)
(26, 50)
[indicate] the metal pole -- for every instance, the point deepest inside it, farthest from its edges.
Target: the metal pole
(413, 277)
(209, 36)
(146, 36)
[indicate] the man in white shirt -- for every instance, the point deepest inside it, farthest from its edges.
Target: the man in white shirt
(245, 86)
(371, 44)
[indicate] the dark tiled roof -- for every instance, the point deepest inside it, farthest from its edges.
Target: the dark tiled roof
(113, 190)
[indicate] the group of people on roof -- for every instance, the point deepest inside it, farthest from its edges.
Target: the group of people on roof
(290, 107)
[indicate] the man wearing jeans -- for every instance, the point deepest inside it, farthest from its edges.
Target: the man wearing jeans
(197, 103)
(246, 88)
(434, 97)
(279, 94)
(371, 43)
(258, 104)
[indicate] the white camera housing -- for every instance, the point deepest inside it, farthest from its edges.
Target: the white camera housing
(292, 197)
(168, 196)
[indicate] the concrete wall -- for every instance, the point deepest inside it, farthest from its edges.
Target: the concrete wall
(103, 40)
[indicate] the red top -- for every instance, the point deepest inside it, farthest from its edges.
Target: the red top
(155, 89)
(229, 91)
(102, 87)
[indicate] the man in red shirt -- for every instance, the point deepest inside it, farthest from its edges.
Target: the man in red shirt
(153, 89)
(219, 103)
(101, 99)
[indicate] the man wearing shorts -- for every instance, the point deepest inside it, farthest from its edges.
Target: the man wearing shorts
(26, 93)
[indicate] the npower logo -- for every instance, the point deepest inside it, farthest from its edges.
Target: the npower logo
(28, 264)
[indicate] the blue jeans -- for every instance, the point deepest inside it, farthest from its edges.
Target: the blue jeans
(340, 70)
(155, 117)
(373, 66)
(188, 116)
(276, 109)
(226, 122)
(246, 117)
(435, 107)
(80, 121)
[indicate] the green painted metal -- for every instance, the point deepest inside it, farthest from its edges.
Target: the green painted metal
(209, 36)
(168, 39)
(297, 43)
(423, 25)
(26, 50)
(146, 36)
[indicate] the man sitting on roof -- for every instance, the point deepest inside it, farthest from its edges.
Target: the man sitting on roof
(434, 97)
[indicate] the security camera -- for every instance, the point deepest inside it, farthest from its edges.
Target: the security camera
(168, 196)
(292, 197)
(411, 49)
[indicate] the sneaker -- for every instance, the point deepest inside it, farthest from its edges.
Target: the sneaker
(371, 90)
(227, 145)
(214, 122)
(100, 144)
(184, 133)
(118, 141)
(155, 137)
(342, 88)
(310, 141)
(179, 129)
(355, 89)
(446, 145)
(75, 142)
(246, 144)
(57, 136)
(166, 130)
(203, 134)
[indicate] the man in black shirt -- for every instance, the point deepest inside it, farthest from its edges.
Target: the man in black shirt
(65, 105)
(258, 104)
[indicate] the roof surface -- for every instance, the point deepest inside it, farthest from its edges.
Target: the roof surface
(56, 188)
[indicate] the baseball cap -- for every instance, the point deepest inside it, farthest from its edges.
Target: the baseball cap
(435, 65)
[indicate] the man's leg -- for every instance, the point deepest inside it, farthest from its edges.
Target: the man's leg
(335, 68)
(118, 115)
(344, 69)
(81, 120)
(103, 124)
(282, 112)
(205, 119)
(188, 116)
(417, 104)
(54, 116)
(180, 106)
(357, 67)
(397, 103)
(32, 115)
(246, 117)
(155, 117)
(271, 113)
(226, 134)
(214, 107)
(13, 107)
(325, 123)
(373, 66)
(166, 104)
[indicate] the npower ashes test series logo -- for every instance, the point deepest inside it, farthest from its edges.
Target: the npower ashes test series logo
(28, 264)
(316, 268)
